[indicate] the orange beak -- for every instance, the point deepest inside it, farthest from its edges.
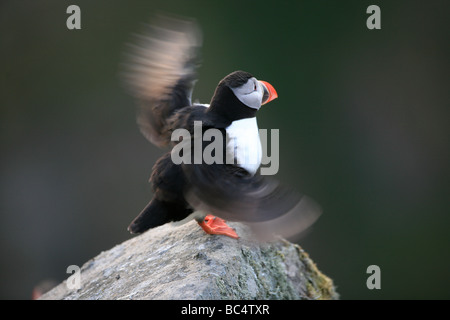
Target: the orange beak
(269, 92)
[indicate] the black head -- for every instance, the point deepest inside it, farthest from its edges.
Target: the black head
(239, 95)
(236, 79)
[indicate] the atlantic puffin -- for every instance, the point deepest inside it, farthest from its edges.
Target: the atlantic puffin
(160, 72)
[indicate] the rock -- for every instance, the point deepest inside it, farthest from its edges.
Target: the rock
(182, 262)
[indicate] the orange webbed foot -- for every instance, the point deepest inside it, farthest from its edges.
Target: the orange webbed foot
(215, 225)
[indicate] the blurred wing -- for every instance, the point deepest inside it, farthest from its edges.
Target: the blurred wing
(161, 71)
(259, 201)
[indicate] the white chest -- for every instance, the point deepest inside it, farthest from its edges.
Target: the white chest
(245, 144)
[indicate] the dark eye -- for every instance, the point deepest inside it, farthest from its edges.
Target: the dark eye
(254, 87)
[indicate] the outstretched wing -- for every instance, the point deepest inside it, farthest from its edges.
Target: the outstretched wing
(258, 201)
(160, 72)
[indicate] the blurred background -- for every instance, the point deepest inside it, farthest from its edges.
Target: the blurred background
(363, 118)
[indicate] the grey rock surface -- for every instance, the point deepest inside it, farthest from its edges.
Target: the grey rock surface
(183, 262)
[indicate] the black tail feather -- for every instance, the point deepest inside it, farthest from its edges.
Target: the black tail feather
(155, 214)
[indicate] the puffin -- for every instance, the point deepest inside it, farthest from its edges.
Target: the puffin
(160, 73)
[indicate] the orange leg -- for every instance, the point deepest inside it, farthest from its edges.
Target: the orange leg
(214, 225)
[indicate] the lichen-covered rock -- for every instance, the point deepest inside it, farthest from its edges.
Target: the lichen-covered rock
(185, 263)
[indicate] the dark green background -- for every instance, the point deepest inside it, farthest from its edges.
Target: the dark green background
(363, 118)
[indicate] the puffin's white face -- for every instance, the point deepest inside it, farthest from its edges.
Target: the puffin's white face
(250, 93)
